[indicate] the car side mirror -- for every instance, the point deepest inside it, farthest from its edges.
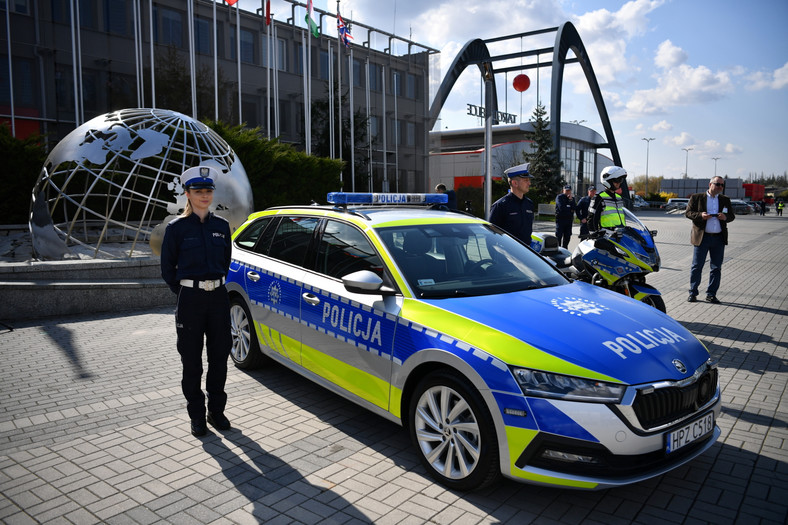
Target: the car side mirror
(653, 233)
(366, 282)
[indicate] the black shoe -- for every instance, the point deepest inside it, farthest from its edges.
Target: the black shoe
(692, 299)
(219, 421)
(712, 299)
(199, 428)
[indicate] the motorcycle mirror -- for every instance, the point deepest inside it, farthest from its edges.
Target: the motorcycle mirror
(653, 233)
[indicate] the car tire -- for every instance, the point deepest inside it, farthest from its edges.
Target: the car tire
(245, 351)
(453, 432)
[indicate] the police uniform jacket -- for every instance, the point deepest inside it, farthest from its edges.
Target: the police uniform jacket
(195, 250)
(582, 207)
(514, 215)
(695, 208)
(564, 207)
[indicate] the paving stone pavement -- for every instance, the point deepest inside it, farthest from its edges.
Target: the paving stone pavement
(93, 427)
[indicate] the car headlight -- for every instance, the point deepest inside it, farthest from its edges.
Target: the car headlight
(545, 384)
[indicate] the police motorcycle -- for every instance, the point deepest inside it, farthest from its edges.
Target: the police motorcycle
(546, 245)
(620, 260)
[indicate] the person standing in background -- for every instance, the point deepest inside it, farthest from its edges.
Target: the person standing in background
(710, 213)
(582, 210)
(565, 210)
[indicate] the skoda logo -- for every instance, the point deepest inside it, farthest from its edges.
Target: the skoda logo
(679, 366)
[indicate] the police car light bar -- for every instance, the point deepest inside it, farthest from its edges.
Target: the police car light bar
(343, 198)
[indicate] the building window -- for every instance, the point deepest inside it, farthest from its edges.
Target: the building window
(281, 52)
(202, 36)
(324, 64)
(171, 28)
(24, 91)
(410, 133)
(299, 59)
(375, 79)
(116, 16)
(358, 77)
(247, 46)
(412, 87)
(396, 83)
(374, 127)
(17, 6)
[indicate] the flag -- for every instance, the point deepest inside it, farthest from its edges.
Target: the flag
(343, 30)
(268, 12)
(232, 2)
(310, 19)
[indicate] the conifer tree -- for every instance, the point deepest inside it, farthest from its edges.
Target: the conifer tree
(545, 163)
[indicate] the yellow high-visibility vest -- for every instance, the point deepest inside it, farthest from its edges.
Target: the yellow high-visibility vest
(613, 213)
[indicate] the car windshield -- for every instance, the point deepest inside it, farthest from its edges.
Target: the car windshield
(460, 260)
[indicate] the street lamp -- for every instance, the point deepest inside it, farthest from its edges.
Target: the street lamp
(648, 143)
(686, 163)
(715, 159)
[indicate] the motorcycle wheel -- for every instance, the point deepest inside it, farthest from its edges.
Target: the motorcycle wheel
(656, 301)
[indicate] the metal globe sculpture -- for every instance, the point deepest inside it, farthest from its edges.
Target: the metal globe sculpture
(116, 179)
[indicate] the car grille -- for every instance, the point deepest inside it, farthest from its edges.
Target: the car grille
(665, 405)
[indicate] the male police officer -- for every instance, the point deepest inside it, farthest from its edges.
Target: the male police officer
(607, 209)
(514, 212)
(565, 208)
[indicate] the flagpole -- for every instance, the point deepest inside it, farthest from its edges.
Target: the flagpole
(215, 68)
(238, 57)
(190, 15)
(268, 75)
(385, 142)
(275, 60)
(330, 103)
(306, 94)
(369, 127)
(136, 24)
(308, 105)
(152, 56)
(339, 89)
(352, 124)
(75, 53)
(397, 137)
(10, 69)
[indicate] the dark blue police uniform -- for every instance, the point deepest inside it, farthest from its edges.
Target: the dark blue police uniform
(514, 215)
(194, 252)
(564, 217)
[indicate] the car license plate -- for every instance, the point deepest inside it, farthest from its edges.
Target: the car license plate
(690, 433)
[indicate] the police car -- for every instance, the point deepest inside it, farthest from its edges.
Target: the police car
(494, 361)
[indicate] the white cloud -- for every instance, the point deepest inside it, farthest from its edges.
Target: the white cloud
(662, 125)
(778, 79)
(683, 140)
(669, 56)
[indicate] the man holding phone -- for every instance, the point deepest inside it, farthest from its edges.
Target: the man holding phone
(710, 213)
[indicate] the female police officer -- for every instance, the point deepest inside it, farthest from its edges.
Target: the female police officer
(195, 257)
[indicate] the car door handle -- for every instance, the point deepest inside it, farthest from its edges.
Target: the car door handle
(311, 298)
(253, 276)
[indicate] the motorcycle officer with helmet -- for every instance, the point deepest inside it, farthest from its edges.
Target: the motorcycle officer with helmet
(607, 209)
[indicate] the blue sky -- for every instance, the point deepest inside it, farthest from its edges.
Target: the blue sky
(711, 75)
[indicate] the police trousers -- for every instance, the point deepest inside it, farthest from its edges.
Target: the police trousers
(203, 317)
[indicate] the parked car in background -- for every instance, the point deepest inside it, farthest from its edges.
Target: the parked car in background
(639, 202)
(741, 207)
(677, 204)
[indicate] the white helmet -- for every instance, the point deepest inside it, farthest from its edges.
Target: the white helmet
(612, 173)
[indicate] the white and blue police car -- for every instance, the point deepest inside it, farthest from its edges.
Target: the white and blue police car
(495, 362)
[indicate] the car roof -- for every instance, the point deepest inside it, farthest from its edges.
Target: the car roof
(376, 216)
